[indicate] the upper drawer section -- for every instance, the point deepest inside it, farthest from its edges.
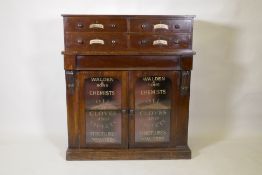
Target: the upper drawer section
(95, 24)
(161, 25)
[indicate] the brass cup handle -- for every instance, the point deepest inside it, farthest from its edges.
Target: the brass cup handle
(96, 41)
(160, 42)
(96, 26)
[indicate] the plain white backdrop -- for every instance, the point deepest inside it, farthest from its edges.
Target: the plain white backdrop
(225, 129)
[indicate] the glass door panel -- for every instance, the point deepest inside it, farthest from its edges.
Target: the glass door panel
(105, 121)
(152, 101)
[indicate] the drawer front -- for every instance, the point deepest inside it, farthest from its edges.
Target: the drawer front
(95, 24)
(178, 41)
(110, 62)
(95, 41)
(161, 25)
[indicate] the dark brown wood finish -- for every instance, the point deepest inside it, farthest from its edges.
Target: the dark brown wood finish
(72, 109)
(129, 154)
(148, 41)
(128, 62)
(95, 41)
(170, 25)
(95, 24)
(128, 86)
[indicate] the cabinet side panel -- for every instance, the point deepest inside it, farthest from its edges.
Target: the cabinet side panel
(69, 62)
(72, 121)
(183, 112)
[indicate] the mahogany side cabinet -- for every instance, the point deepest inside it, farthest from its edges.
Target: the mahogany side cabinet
(127, 86)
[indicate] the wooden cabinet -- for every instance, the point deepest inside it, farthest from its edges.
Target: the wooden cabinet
(128, 86)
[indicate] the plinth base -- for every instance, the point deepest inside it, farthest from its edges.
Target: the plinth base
(129, 154)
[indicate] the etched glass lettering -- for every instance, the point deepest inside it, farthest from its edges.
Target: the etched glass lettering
(153, 92)
(152, 125)
(103, 127)
(103, 93)
(152, 109)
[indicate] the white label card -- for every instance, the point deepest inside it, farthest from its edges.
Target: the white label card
(96, 41)
(161, 26)
(100, 26)
(160, 42)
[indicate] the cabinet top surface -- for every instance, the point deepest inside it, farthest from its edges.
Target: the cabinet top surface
(133, 16)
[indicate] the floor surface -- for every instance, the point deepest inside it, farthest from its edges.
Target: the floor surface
(43, 156)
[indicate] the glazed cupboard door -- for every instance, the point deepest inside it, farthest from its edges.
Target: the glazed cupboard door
(153, 108)
(103, 109)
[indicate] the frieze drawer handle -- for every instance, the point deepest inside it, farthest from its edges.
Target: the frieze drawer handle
(161, 26)
(160, 42)
(96, 26)
(96, 41)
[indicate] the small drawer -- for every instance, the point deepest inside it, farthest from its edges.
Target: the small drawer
(95, 42)
(95, 24)
(154, 42)
(161, 25)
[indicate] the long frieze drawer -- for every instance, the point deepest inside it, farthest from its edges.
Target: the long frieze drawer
(161, 25)
(95, 24)
(155, 42)
(108, 62)
(95, 42)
